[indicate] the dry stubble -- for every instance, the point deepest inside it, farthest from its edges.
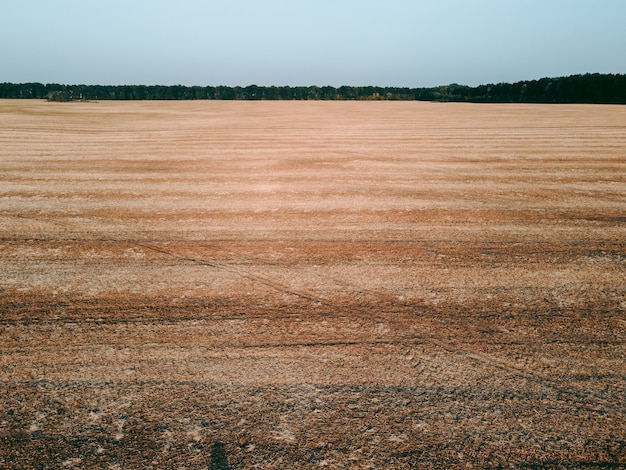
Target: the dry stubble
(304, 284)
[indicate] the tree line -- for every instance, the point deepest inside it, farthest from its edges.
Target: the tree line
(587, 88)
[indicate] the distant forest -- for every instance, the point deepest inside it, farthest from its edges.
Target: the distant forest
(588, 88)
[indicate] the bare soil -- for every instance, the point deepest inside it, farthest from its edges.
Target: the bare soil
(312, 284)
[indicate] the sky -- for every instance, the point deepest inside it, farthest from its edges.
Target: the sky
(405, 43)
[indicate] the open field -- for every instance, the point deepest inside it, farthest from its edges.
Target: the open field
(312, 284)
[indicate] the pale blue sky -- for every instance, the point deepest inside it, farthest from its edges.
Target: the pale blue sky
(415, 43)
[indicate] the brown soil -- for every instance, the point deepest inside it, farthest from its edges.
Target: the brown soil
(312, 284)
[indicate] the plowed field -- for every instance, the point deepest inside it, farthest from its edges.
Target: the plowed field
(312, 284)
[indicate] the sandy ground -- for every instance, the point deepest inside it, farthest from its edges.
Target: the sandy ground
(312, 284)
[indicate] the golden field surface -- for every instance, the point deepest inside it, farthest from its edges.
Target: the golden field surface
(312, 285)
